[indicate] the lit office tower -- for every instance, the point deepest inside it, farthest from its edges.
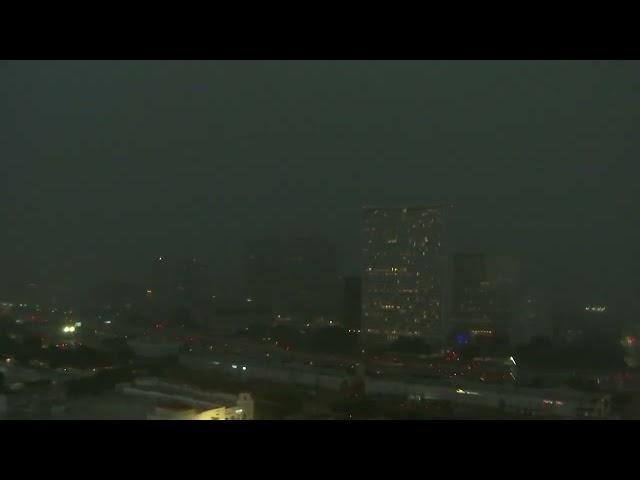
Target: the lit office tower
(404, 275)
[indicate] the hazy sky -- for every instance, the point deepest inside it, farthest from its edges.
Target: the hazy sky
(106, 164)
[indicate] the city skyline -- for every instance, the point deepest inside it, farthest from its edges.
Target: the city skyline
(235, 273)
(536, 157)
(319, 240)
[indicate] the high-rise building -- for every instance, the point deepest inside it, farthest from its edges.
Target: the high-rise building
(531, 317)
(484, 296)
(483, 284)
(352, 304)
(405, 272)
(469, 276)
(293, 275)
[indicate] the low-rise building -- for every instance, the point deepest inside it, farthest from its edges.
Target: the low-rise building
(182, 402)
(550, 402)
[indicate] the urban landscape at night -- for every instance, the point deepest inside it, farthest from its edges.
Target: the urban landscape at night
(314, 240)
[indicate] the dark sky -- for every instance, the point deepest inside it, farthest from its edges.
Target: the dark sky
(106, 164)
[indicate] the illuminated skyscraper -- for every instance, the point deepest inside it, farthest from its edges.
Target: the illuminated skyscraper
(405, 272)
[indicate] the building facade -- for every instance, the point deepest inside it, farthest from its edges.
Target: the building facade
(485, 297)
(352, 304)
(404, 272)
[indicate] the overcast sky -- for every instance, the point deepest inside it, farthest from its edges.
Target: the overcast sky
(106, 164)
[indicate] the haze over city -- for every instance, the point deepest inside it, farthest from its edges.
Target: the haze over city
(334, 240)
(108, 164)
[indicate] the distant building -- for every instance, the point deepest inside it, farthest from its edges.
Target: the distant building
(575, 321)
(483, 284)
(192, 284)
(469, 278)
(352, 304)
(291, 275)
(532, 318)
(405, 272)
(485, 289)
(160, 282)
